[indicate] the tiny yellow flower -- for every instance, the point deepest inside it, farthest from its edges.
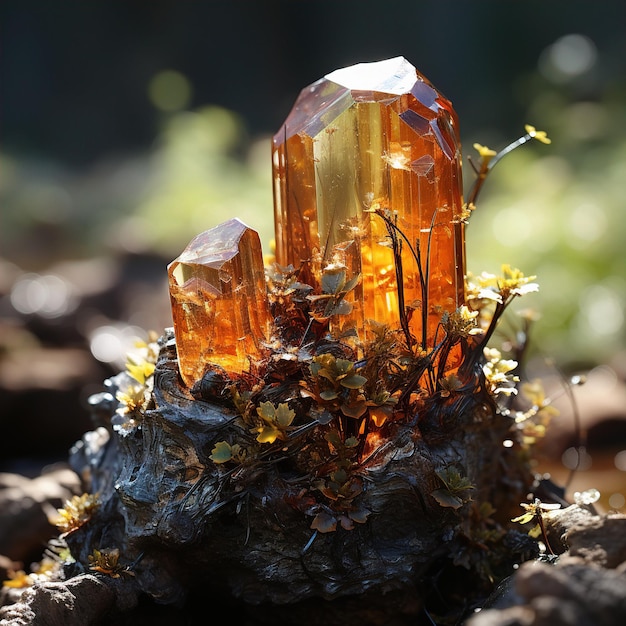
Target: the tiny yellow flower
(132, 398)
(466, 212)
(486, 154)
(484, 151)
(76, 512)
(462, 322)
(17, 579)
(140, 371)
(449, 385)
(514, 283)
(106, 561)
(539, 135)
(534, 510)
(498, 374)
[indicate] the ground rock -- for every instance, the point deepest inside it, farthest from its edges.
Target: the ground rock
(80, 601)
(585, 586)
(602, 541)
(25, 506)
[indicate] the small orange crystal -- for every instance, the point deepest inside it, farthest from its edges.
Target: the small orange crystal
(374, 136)
(219, 301)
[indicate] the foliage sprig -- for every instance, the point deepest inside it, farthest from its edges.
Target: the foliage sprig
(325, 399)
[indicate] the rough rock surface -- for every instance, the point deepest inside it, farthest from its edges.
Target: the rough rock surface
(79, 600)
(188, 526)
(188, 529)
(585, 586)
(192, 537)
(25, 506)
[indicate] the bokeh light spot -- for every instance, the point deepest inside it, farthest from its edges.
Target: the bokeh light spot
(616, 500)
(48, 296)
(620, 461)
(112, 343)
(568, 57)
(576, 459)
(603, 310)
(511, 220)
(169, 91)
(587, 223)
(590, 496)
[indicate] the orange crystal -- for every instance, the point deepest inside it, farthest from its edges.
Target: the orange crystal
(373, 136)
(219, 301)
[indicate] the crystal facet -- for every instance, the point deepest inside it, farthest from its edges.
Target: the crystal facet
(367, 138)
(219, 301)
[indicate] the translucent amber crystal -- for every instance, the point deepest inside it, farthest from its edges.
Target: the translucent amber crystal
(219, 301)
(374, 136)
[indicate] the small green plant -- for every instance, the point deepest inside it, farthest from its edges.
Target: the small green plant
(534, 514)
(335, 287)
(135, 392)
(224, 452)
(107, 561)
(455, 491)
(44, 571)
(276, 422)
(76, 512)
(337, 386)
(325, 401)
(340, 487)
(489, 158)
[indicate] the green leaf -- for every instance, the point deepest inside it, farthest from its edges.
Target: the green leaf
(284, 415)
(268, 434)
(343, 366)
(354, 409)
(354, 381)
(445, 498)
(327, 374)
(342, 307)
(359, 515)
(340, 476)
(266, 410)
(324, 523)
(333, 281)
(328, 394)
(452, 479)
(140, 371)
(221, 453)
(351, 442)
(352, 283)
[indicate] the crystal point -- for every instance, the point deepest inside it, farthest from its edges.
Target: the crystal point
(374, 137)
(219, 300)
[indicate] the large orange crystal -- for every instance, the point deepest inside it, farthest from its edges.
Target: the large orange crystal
(374, 136)
(219, 301)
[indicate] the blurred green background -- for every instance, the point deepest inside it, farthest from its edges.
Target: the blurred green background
(130, 126)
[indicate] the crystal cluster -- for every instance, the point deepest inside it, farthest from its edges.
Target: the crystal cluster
(374, 136)
(367, 151)
(219, 301)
